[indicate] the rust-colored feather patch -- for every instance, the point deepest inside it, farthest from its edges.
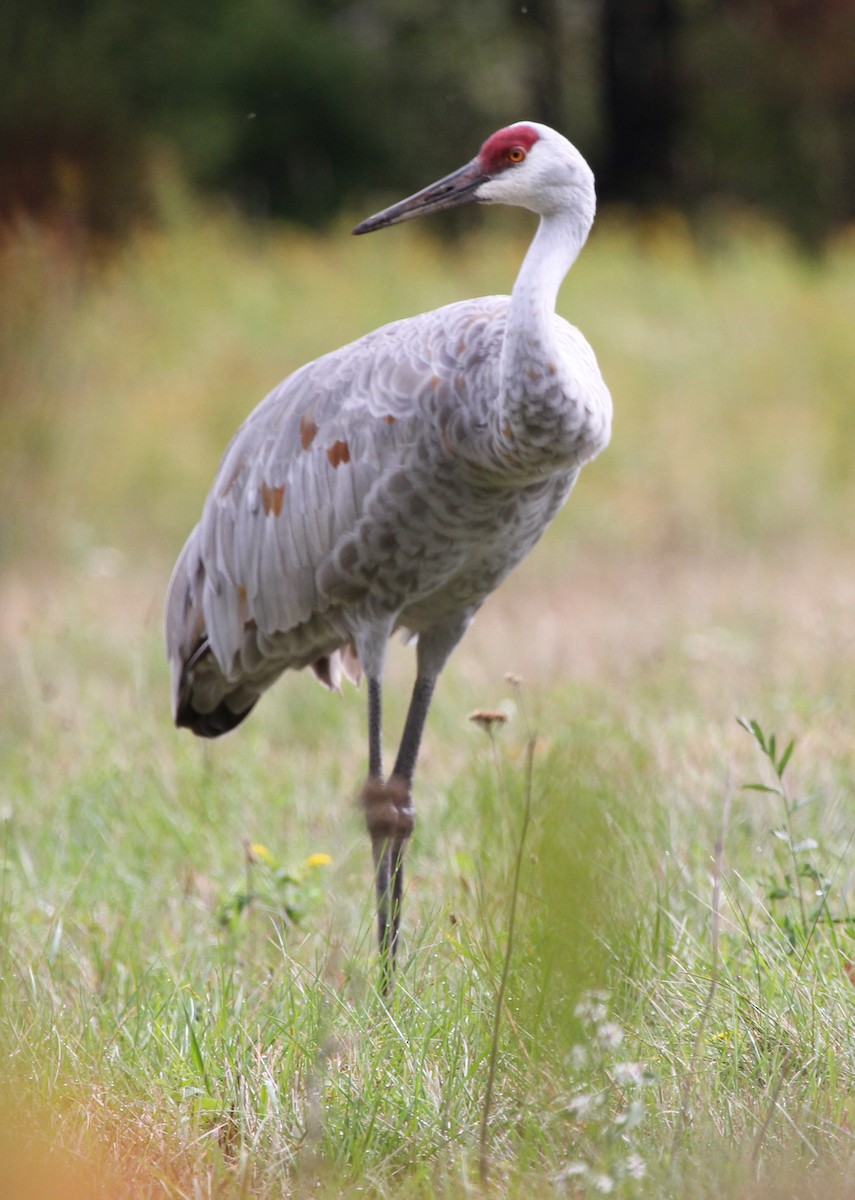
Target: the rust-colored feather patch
(338, 453)
(389, 419)
(272, 498)
(308, 429)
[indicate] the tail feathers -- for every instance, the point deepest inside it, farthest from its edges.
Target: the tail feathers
(210, 699)
(204, 701)
(210, 724)
(201, 696)
(344, 663)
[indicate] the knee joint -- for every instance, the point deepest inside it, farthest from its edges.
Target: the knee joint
(389, 811)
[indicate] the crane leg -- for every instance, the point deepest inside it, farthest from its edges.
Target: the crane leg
(402, 779)
(390, 816)
(388, 828)
(390, 819)
(389, 810)
(375, 729)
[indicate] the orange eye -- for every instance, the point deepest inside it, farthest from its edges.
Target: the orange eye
(516, 154)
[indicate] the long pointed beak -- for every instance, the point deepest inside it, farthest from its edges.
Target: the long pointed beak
(459, 187)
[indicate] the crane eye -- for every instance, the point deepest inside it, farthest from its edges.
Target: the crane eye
(516, 154)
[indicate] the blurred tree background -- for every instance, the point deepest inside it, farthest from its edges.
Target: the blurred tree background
(296, 108)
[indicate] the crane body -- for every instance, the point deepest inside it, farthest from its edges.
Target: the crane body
(392, 484)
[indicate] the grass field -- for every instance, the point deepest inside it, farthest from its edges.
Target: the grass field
(187, 970)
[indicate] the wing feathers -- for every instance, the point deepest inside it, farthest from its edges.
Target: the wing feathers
(278, 545)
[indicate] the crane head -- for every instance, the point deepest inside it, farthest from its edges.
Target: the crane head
(524, 164)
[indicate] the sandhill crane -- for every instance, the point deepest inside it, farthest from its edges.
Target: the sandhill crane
(392, 484)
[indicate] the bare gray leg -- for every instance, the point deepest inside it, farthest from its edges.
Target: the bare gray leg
(411, 738)
(389, 811)
(378, 816)
(405, 765)
(390, 817)
(375, 729)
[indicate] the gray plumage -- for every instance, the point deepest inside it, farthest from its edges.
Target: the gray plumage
(374, 483)
(393, 483)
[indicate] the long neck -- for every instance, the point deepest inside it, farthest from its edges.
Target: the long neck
(529, 348)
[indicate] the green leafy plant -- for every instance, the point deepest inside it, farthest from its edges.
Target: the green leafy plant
(800, 888)
(284, 891)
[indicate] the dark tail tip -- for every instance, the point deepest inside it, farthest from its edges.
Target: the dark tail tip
(210, 724)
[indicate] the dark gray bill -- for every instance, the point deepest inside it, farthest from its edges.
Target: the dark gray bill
(457, 188)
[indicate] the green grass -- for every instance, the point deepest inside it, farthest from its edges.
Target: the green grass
(188, 1002)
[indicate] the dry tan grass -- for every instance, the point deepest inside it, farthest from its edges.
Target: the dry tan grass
(677, 644)
(615, 615)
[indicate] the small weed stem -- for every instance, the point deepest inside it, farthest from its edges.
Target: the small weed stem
(715, 933)
(770, 1112)
(483, 1139)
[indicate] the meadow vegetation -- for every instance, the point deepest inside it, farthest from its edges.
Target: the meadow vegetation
(188, 1002)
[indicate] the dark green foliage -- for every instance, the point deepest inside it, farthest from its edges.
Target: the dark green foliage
(262, 97)
(298, 108)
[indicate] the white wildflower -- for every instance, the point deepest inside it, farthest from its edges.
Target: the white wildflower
(628, 1072)
(572, 1171)
(592, 1007)
(632, 1117)
(636, 1168)
(603, 1184)
(581, 1106)
(578, 1057)
(609, 1035)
